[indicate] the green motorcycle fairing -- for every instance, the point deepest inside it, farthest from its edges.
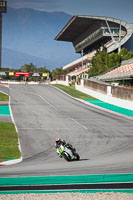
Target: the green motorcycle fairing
(62, 152)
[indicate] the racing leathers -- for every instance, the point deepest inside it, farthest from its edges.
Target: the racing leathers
(63, 143)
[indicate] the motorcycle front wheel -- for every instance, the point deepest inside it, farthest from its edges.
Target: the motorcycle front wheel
(66, 156)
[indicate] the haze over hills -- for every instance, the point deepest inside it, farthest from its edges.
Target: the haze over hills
(28, 36)
(15, 59)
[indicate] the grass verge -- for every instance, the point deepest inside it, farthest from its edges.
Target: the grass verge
(4, 97)
(8, 142)
(73, 92)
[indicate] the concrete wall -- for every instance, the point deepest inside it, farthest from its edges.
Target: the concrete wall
(59, 82)
(106, 98)
(18, 82)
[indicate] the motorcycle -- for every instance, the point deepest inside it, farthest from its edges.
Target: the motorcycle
(67, 153)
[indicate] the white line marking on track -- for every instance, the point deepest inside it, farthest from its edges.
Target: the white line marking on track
(82, 126)
(79, 124)
(11, 113)
(48, 102)
(43, 100)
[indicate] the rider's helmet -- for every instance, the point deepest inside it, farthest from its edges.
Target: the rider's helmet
(58, 141)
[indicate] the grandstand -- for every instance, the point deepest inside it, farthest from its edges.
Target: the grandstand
(123, 72)
(80, 65)
(88, 33)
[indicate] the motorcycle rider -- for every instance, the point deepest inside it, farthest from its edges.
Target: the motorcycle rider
(59, 142)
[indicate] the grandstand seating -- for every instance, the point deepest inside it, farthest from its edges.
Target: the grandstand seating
(78, 63)
(122, 72)
(77, 67)
(78, 71)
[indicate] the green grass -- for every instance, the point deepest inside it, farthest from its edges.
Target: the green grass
(4, 97)
(73, 92)
(8, 142)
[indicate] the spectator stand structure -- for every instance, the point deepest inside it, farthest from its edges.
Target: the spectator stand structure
(88, 33)
(123, 72)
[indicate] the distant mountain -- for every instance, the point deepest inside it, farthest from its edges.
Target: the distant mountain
(15, 59)
(30, 33)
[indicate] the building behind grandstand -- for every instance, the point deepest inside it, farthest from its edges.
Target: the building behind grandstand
(89, 33)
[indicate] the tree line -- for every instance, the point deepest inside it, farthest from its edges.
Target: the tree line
(32, 68)
(103, 61)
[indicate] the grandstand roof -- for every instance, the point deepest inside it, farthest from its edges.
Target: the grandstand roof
(78, 24)
(74, 28)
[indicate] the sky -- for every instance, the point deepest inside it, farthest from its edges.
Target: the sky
(120, 9)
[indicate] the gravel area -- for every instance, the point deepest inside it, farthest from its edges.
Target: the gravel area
(69, 196)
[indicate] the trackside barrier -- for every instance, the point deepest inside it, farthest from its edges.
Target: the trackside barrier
(61, 80)
(114, 91)
(118, 96)
(122, 93)
(18, 83)
(102, 88)
(106, 98)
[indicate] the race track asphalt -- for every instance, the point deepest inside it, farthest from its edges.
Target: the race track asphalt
(103, 140)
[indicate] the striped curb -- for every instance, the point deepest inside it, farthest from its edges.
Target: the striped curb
(68, 179)
(71, 183)
(104, 109)
(10, 162)
(9, 113)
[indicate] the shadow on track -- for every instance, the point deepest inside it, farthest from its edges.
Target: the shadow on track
(83, 159)
(79, 160)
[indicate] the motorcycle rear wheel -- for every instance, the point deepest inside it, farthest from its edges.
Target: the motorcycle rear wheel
(77, 156)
